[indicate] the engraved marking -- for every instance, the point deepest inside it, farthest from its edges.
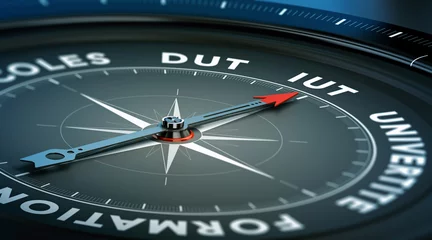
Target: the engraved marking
(396, 34)
(332, 184)
(45, 185)
(29, 87)
(144, 206)
(298, 77)
(282, 12)
(298, 142)
(288, 184)
(105, 72)
(325, 106)
(357, 163)
(341, 116)
(283, 200)
(279, 89)
(135, 71)
(217, 208)
(362, 151)
(78, 76)
(340, 22)
(251, 205)
(45, 125)
(73, 195)
(108, 201)
(348, 174)
(44, 3)
(309, 193)
(69, 88)
(305, 96)
(224, 77)
(223, 5)
(417, 59)
(10, 95)
(181, 208)
(22, 174)
(253, 82)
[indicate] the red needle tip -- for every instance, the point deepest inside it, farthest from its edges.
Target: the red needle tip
(277, 99)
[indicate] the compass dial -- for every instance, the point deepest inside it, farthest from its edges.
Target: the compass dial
(332, 139)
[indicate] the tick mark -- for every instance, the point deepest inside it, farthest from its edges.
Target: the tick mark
(178, 91)
(253, 82)
(135, 71)
(348, 174)
(396, 34)
(29, 87)
(279, 89)
(223, 5)
(353, 128)
(181, 208)
(325, 106)
(45, 125)
(108, 201)
(166, 180)
(69, 88)
(106, 73)
(46, 185)
(341, 116)
(73, 195)
(217, 208)
(78, 76)
(309, 193)
(22, 174)
(282, 12)
(251, 205)
(301, 97)
(298, 142)
(44, 3)
(1, 163)
(340, 22)
(165, 71)
(357, 163)
(224, 77)
(360, 139)
(11, 95)
(288, 184)
(283, 200)
(362, 151)
(332, 184)
(195, 73)
(144, 206)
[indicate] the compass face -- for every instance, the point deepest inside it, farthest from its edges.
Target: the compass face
(351, 146)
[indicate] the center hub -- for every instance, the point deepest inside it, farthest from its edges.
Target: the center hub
(175, 131)
(172, 123)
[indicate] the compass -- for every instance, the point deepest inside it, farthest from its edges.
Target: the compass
(144, 129)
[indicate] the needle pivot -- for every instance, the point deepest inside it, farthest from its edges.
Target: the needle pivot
(172, 123)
